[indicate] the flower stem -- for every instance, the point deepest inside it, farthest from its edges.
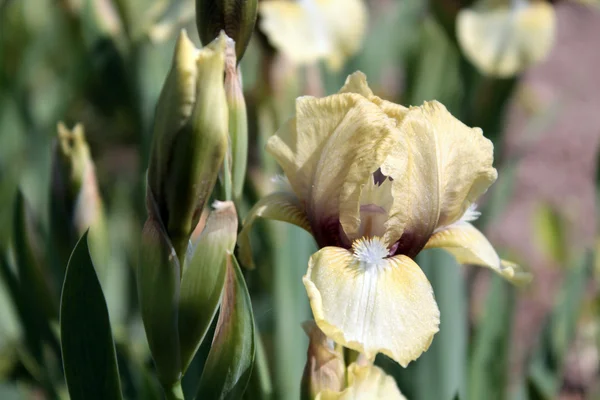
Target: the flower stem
(174, 392)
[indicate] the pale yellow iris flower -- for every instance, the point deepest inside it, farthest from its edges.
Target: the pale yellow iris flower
(365, 382)
(326, 376)
(375, 183)
(306, 31)
(505, 37)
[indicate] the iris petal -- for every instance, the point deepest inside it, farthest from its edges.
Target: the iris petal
(464, 162)
(382, 306)
(331, 154)
(279, 206)
(469, 246)
(365, 382)
(309, 30)
(502, 41)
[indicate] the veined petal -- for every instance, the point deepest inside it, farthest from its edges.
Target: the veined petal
(464, 162)
(341, 140)
(413, 166)
(298, 145)
(367, 382)
(469, 246)
(357, 83)
(356, 148)
(504, 41)
(370, 304)
(280, 206)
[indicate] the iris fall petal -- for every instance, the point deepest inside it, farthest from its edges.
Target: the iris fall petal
(469, 246)
(384, 305)
(279, 206)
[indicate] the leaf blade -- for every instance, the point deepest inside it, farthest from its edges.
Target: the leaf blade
(89, 357)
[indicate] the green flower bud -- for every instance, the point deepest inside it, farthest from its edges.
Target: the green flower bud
(203, 278)
(238, 121)
(235, 17)
(158, 281)
(190, 138)
(74, 198)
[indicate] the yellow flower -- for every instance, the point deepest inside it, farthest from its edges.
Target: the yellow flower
(365, 382)
(504, 38)
(327, 378)
(309, 30)
(375, 183)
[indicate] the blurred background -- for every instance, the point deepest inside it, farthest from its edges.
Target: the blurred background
(102, 63)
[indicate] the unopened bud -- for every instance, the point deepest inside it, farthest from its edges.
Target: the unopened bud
(158, 284)
(190, 137)
(235, 17)
(203, 278)
(238, 121)
(325, 368)
(74, 197)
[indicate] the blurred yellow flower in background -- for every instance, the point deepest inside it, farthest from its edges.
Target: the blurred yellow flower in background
(306, 31)
(504, 38)
(375, 183)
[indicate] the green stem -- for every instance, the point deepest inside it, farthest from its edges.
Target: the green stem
(227, 184)
(174, 392)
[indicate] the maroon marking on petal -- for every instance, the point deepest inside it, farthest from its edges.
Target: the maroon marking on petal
(329, 232)
(410, 244)
(379, 177)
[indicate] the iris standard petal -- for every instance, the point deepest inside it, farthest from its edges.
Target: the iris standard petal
(464, 162)
(504, 41)
(372, 305)
(279, 206)
(469, 246)
(413, 166)
(365, 382)
(357, 83)
(336, 145)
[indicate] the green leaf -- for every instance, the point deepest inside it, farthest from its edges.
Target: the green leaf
(441, 371)
(33, 297)
(88, 350)
(260, 386)
(31, 274)
(292, 247)
(489, 362)
(229, 364)
(203, 279)
(546, 369)
(550, 233)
